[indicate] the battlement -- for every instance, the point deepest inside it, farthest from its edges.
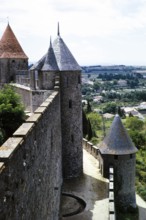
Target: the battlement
(31, 166)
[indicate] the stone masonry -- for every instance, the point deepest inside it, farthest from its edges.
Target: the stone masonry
(31, 166)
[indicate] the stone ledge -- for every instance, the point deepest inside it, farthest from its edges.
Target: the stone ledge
(111, 178)
(49, 99)
(40, 110)
(45, 104)
(111, 196)
(111, 186)
(2, 166)
(111, 207)
(112, 217)
(24, 129)
(8, 148)
(111, 170)
(54, 93)
(34, 118)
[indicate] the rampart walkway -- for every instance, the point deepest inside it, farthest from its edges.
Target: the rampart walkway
(91, 187)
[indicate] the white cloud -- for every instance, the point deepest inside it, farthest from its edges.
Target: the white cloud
(86, 26)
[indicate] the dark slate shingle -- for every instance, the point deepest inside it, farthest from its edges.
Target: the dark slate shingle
(65, 59)
(117, 142)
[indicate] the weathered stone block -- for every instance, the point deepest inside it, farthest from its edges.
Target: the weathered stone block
(24, 129)
(111, 207)
(9, 147)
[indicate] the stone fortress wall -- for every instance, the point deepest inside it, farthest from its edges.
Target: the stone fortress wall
(31, 99)
(31, 166)
(48, 146)
(94, 151)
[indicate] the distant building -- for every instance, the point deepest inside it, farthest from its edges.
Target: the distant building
(132, 111)
(122, 83)
(108, 115)
(12, 57)
(142, 105)
(97, 99)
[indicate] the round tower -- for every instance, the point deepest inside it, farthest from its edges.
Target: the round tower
(46, 69)
(118, 151)
(71, 109)
(12, 57)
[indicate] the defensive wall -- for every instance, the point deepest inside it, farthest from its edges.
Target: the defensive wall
(93, 150)
(31, 99)
(31, 166)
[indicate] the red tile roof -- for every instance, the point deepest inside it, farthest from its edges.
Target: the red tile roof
(10, 47)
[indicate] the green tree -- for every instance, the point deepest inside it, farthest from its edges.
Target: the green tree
(89, 109)
(1, 136)
(96, 85)
(138, 138)
(110, 108)
(85, 124)
(95, 120)
(90, 133)
(133, 123)
(121, 112)
(11, 112)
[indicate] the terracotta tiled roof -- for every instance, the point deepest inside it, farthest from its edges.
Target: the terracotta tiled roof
(9, 45)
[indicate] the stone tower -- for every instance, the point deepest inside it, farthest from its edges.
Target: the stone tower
(71, 109)
(12, 57)
(117, 150)
(46, 69)
(60, 61)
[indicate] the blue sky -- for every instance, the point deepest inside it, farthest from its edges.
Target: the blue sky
(96, 31)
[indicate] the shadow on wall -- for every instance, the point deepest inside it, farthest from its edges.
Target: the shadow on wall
(91, 190)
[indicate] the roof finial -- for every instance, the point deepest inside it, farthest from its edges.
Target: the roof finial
(8, 20)
(58, 30)
(50, 42)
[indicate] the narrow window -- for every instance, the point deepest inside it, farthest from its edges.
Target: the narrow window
(70, 103)
(131, 156)
(116, 157)
(51, 139)
(66, 81)
(72, 138)
(79, 79)
(46, 77)
(13, 61)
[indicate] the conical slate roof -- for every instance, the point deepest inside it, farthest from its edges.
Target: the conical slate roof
(50, 63)
(47, 62)
(65, 59)
(117, 142)
(38, 65)
(9, 45)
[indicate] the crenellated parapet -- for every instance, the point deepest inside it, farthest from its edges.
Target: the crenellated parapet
(48, 146)
(31, 166)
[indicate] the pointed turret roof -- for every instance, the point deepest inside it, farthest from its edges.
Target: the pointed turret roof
(50, 63)
(47, 62)
(9, 45)
(117, 142)
(65, 59)
(38, 65)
